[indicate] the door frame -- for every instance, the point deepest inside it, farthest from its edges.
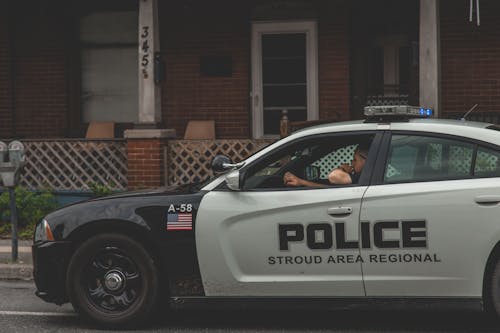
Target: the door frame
(262, 28)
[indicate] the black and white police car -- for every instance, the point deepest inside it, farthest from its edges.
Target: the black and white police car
(421, 222)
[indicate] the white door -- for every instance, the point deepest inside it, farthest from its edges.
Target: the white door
(284, 74)
(273, 240)
(430, 227)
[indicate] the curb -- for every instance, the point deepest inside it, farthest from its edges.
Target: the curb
(16, 272)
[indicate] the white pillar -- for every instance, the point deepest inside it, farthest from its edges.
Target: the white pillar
(149, 45)
(430, 84)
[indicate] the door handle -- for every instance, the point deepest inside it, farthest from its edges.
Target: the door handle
(339, 211)
(487, 199)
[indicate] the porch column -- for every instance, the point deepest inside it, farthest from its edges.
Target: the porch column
(149, 47)
(430, 84)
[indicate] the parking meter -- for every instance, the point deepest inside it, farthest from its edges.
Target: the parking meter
(12, 160)
(3, 152)
(16, 153)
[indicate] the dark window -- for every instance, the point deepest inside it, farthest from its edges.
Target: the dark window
(422, 158)
(284, 78)
(404, 70)
(312, 160)
(487, 163)
(217, 66)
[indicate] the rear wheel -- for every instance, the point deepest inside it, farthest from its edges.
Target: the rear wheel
(112, 280)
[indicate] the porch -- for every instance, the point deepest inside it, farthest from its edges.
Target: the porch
(152, 65)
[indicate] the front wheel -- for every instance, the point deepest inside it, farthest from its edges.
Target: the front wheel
(112, 280)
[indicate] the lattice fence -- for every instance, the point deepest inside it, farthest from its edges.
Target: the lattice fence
(333, 160)
(386, 100)
(189, 160)
(74, 164)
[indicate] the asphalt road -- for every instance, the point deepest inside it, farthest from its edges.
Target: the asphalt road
(22, 311)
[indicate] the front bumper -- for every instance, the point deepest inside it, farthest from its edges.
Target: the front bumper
(50, 261)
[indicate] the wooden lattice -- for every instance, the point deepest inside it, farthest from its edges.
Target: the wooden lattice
(188, 161)
(75, 164)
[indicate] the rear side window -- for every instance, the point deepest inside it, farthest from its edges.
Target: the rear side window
(487, 163)
(426, 158)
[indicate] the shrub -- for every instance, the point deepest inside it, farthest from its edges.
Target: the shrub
(31, 208)
(101, 190)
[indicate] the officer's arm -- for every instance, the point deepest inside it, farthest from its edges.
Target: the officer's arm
(291, 180)
(339, 176)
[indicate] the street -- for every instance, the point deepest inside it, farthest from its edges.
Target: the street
(22, 311)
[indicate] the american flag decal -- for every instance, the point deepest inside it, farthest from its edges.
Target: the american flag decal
(179, 221)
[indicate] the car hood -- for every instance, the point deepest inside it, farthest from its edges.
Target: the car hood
(166, 190)
(135, 207)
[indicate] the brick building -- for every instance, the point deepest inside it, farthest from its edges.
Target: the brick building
(157, 64)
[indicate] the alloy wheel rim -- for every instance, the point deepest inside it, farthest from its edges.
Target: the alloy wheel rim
(112, 281)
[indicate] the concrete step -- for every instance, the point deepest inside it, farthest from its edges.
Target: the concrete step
(23, 269)
(16, 272)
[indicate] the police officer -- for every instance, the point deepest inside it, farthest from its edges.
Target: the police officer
(343, 175)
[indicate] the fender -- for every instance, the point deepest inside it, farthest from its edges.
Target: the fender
(143, 213)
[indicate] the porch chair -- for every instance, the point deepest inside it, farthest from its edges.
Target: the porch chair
(100, 130)
(200, 130)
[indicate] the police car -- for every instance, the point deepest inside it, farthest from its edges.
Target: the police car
(421, 223)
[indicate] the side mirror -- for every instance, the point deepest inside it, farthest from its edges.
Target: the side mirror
(233, 180)
(222, 163)
(218, 163)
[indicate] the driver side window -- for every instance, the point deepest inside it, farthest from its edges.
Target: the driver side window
(311, 160)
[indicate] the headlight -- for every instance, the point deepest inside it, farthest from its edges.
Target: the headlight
(43, 233)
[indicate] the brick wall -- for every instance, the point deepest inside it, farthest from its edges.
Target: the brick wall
(41, 93)
(470, 57)
(5, 87)
(198, 31)
(39, 64)
(333, 67)
(145, 163)
(188, 31)
(206, 30)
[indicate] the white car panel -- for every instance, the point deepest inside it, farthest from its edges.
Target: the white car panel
(237, 232)
(460, 235)
(237, 235)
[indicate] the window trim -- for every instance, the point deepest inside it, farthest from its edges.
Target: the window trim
(309, 28)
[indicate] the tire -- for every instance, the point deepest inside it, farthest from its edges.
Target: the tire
(493, 290)
(112, 281)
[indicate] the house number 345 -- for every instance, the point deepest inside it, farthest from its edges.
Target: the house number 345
(145, 50)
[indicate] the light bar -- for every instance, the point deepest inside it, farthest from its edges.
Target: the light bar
(398, 111)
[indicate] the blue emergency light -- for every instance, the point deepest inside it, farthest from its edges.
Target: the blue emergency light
(397, 111)
(425, 112)
(385, 113)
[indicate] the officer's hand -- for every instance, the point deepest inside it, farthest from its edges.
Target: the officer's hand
(346, 168)
(291, 180)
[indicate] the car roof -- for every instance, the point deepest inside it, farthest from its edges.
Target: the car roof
(466, 129)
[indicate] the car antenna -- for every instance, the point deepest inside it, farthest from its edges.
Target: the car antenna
(467, 113)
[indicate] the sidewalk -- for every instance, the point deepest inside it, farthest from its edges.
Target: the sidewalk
(23, 269)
